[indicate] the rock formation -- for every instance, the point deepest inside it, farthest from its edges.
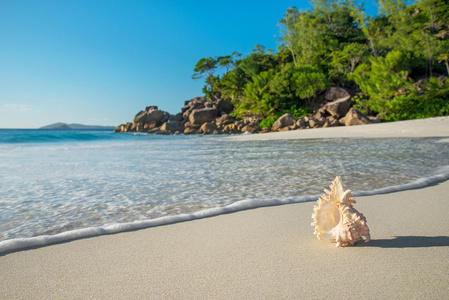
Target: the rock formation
(213, 116)
(337, 111)
(285, 120)
(198, 116)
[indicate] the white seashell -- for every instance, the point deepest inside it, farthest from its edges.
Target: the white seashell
(335, 216)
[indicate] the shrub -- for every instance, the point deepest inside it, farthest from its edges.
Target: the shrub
(433, 101)
(380, 79)
(405, 107)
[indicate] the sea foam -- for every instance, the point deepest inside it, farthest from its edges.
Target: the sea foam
(23, 243)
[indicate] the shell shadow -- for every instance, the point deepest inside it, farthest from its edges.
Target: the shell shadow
(410, 242)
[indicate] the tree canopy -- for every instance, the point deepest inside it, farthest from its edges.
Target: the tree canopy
(337, 43)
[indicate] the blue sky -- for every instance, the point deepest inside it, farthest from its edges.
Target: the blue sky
(100, 62)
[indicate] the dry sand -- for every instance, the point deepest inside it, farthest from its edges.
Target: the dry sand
(432, 127)
(264, 253)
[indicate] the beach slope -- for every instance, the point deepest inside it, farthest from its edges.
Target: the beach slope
(261, 253)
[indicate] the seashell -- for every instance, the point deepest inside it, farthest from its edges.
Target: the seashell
(335, 216)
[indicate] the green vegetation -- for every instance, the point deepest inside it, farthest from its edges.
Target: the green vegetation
(337, 43)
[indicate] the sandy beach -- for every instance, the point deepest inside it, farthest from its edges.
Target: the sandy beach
(263, 253)
(432, 127)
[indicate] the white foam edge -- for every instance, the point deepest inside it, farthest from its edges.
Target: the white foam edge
(45, 240)
(416, 184)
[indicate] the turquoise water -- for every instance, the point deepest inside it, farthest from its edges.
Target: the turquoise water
(55, 181)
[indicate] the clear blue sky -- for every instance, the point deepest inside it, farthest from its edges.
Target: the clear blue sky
(100, 62)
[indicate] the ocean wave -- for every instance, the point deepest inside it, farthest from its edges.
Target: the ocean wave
(13, 136)
(45, 240)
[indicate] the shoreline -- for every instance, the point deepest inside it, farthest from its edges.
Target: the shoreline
(267, 252)
(23, 244)
(431, 127)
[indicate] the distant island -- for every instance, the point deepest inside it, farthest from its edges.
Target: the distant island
(76, 126)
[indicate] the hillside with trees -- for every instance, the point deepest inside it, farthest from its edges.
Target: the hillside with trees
(397, 62)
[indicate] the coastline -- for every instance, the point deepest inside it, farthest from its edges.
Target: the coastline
(431, 127)
(267, 252)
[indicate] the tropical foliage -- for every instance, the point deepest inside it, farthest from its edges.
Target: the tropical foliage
(337, 43)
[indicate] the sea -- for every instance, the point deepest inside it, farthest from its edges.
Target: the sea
(60, 185)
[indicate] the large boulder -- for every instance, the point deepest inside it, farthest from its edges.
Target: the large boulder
(149, 115)
(190, 128)
(208, 128)
(177, 117)
(225, 119)
(334, 93)
(140, 117)
(317, 123)
(155, 115)
(225, 105)
(355, 117)
(172, 126)
(203, 115)
(339, 107)
(284, 121)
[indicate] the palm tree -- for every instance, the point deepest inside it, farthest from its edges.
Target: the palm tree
(256, 97)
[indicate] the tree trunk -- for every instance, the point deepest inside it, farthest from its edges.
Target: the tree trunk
(294, 57)
(373, 47)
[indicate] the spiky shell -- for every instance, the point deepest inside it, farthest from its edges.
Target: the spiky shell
(336, 216)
